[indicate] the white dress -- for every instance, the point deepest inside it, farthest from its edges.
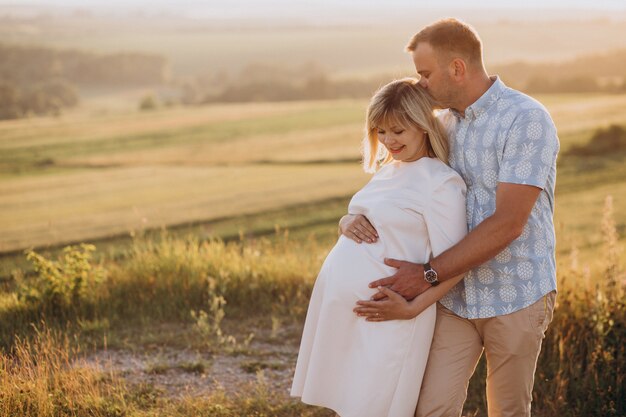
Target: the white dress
(359, 368)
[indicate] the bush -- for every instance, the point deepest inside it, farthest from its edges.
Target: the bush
(580, 84)
(60, 288)
(43, 99)
(603, 142)
(148, 103)
(10, 104)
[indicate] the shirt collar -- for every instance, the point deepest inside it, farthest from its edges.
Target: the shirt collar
(485, 101)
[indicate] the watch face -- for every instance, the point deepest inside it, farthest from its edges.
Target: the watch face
(430, 276)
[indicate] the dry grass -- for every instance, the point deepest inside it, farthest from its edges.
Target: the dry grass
(577, 217)
(582, 112)
(580, 371)
(44, 378)
(77, 206)
(80, 126)
(88, 176)
(304, 145)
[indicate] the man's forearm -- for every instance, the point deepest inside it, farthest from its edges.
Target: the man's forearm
(483, 243)
(514, 203)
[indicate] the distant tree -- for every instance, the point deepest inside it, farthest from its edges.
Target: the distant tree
(10, 102)
(148, 103)
(519, 74)
(41, 99)
(263, 82)
(63, 91)
(318, 87)
(259, 91)
(603, 142)
(578, 84)
(48, 98)
(25, 65)
(191, 93)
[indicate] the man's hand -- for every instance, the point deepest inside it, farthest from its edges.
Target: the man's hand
(358, 228)
(408, 281)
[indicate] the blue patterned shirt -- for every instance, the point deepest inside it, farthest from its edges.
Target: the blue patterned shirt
(509, 137)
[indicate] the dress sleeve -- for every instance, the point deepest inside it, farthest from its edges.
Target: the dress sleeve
(445, 214)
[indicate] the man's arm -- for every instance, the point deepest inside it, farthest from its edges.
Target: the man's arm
(394, 307)
(514, 203)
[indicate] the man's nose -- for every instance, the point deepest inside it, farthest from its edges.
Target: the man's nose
(423, 83)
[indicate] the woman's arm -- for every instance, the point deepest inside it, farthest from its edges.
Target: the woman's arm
(358, 228)
(395, 307)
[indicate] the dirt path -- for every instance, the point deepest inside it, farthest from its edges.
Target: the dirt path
(181, 372)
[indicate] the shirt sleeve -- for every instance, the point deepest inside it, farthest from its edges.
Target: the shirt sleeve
(445, 215)
(530, 150)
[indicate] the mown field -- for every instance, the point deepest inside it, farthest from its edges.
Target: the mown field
(85, 176)
(250, 195)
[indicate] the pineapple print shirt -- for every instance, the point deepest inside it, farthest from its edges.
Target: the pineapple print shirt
(505, 136)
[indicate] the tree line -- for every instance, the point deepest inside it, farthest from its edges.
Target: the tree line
(39, 80)
(591, 73)
(45, 98)
(271, 82)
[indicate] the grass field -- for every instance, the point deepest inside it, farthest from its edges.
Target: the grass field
(65, 181)
(112, 334)
(87, 176)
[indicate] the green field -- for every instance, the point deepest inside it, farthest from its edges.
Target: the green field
(250, 195)
(86, 176)
(82, 178)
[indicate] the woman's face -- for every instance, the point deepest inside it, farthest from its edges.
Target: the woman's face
(403, 143)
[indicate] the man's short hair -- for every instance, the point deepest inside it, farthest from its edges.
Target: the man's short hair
(453, 36)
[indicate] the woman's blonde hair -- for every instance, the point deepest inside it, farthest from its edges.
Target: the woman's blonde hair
(403, 103)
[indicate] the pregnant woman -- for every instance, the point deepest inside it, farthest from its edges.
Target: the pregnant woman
(368, 365)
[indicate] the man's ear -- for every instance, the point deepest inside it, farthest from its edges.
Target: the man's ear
(457, 68)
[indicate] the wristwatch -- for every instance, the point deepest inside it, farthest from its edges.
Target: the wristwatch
(430, 275)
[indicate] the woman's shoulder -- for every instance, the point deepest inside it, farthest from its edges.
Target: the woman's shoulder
(436, 172)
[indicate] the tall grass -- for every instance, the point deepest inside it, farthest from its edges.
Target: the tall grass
(582, 366)
(580, 370)
(164, 280)
(45, 378)
(41, 379)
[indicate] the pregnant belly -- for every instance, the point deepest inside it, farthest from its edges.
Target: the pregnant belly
(350, 267)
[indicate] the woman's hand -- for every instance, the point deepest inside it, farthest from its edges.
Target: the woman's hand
(394, 307)
(357, 228)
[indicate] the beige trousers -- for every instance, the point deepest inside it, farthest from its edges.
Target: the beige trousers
(511, 343)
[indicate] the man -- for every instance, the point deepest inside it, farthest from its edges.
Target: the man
(504, 145)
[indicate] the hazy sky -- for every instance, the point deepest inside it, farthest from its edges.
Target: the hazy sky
(282, 8)
(225, 4)
(328, 12)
